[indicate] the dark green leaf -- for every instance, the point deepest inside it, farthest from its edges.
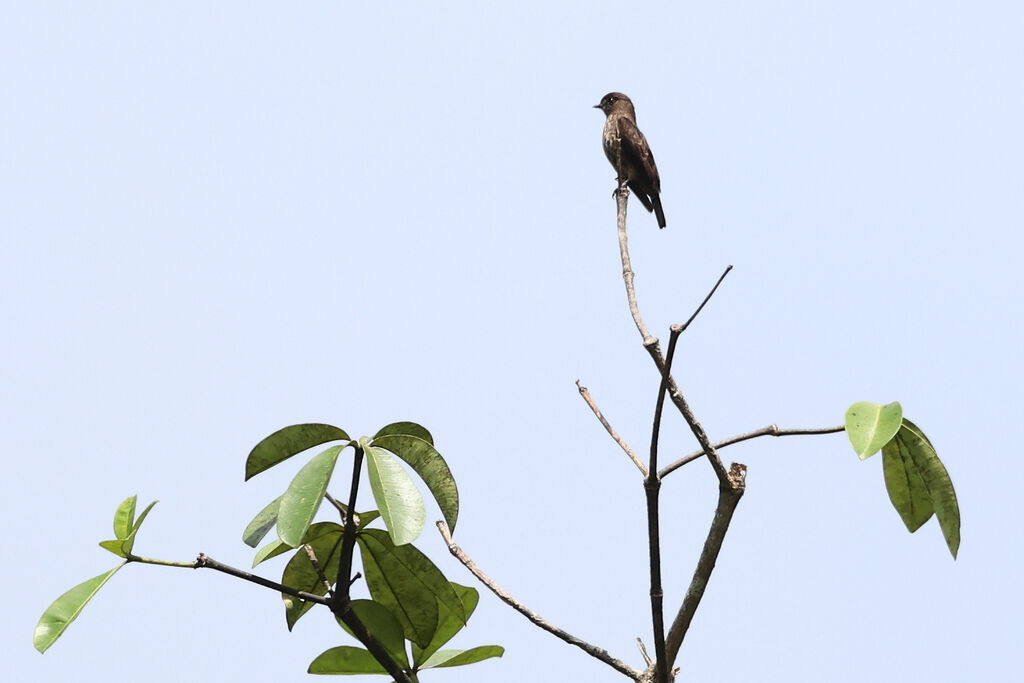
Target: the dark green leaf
(408, 429)
(124, 517)
(286, 442)
(301, 501)
(907, 490)
(345, 659)
(936, 478)
(406, 582)
(261, 523)
(384, 627)
(870, 426)
(65, 609)
(428, 463)
(462, 657)
(325, 540)
(448, 624)
(398, 500)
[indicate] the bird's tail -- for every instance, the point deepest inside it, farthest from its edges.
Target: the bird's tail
(658, 211)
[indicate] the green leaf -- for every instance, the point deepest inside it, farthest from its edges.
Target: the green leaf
(448, 624)
(124, 518)
(301, 501)
(129, 543)
(406, 582)
(406, 428)
(115, 546)
(870, 426)
(325, 539)
(428, 463)
(907, 489)
(287, 442)
(345, 659)
(272, 549)
(398, 500)
(263, 522)
(384, 627)
(65, 609)
(936, 480)
(462, 657)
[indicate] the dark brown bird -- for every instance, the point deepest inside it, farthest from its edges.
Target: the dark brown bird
(627, 150)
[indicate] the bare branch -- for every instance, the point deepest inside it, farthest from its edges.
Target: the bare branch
(770, 430)
(683, 327)
(319, 571)
(585, 393)
(205, 562)
(591, 650)
(728, 497)
(627, 268)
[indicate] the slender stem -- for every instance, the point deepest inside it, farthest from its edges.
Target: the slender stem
(592, 650)
(770, 430)
(652, 488)
(585, 393)
(319, 570)
(161, 563)
(706, 300)
(205, 562)
(621, 198)
(728, 497)
(348, 541)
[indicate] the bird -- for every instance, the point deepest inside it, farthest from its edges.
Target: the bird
(628, 151)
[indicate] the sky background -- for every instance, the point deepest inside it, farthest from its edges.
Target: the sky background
(221, 219)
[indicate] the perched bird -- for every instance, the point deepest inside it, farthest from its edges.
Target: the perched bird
(627, 150)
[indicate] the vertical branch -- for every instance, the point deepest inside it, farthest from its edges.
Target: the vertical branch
(341, 605)
(627, 269)
(652, 488)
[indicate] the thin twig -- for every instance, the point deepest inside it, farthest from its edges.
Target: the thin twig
(728, 497)
(319, 570)
(706, 300)
(770, 430)
(591, 650)
(205, 562)
(652, 487)
(585, 393)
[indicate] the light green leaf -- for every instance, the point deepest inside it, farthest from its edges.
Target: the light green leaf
(384, 627)
(345, 659)
(115, 546)
(398, 500)
(301, 501)
(124, 518)
(263, 522)
(65, 609)
(129, 543)
(286, 442)
(272, 549)
(462, 657)
(428, 463)
(870, 426)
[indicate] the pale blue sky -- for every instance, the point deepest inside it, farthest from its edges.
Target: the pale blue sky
(222, 219)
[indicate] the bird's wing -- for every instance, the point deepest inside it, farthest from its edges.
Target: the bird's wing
(635, 150)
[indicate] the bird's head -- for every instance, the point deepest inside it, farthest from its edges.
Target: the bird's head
(616, 103)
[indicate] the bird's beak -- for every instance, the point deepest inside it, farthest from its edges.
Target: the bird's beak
(597, 106)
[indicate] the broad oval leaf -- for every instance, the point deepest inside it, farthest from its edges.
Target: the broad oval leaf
(870, 426)
(65, 609)
(406, 582)
(406, 428)
(124, 517)
(345, 659)
(462, 657)
(398, 500)
(448, 624)
(937, 481)
(301, 501)
(263, 522)
(284, 443)
(428, 463)
(383, 625)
